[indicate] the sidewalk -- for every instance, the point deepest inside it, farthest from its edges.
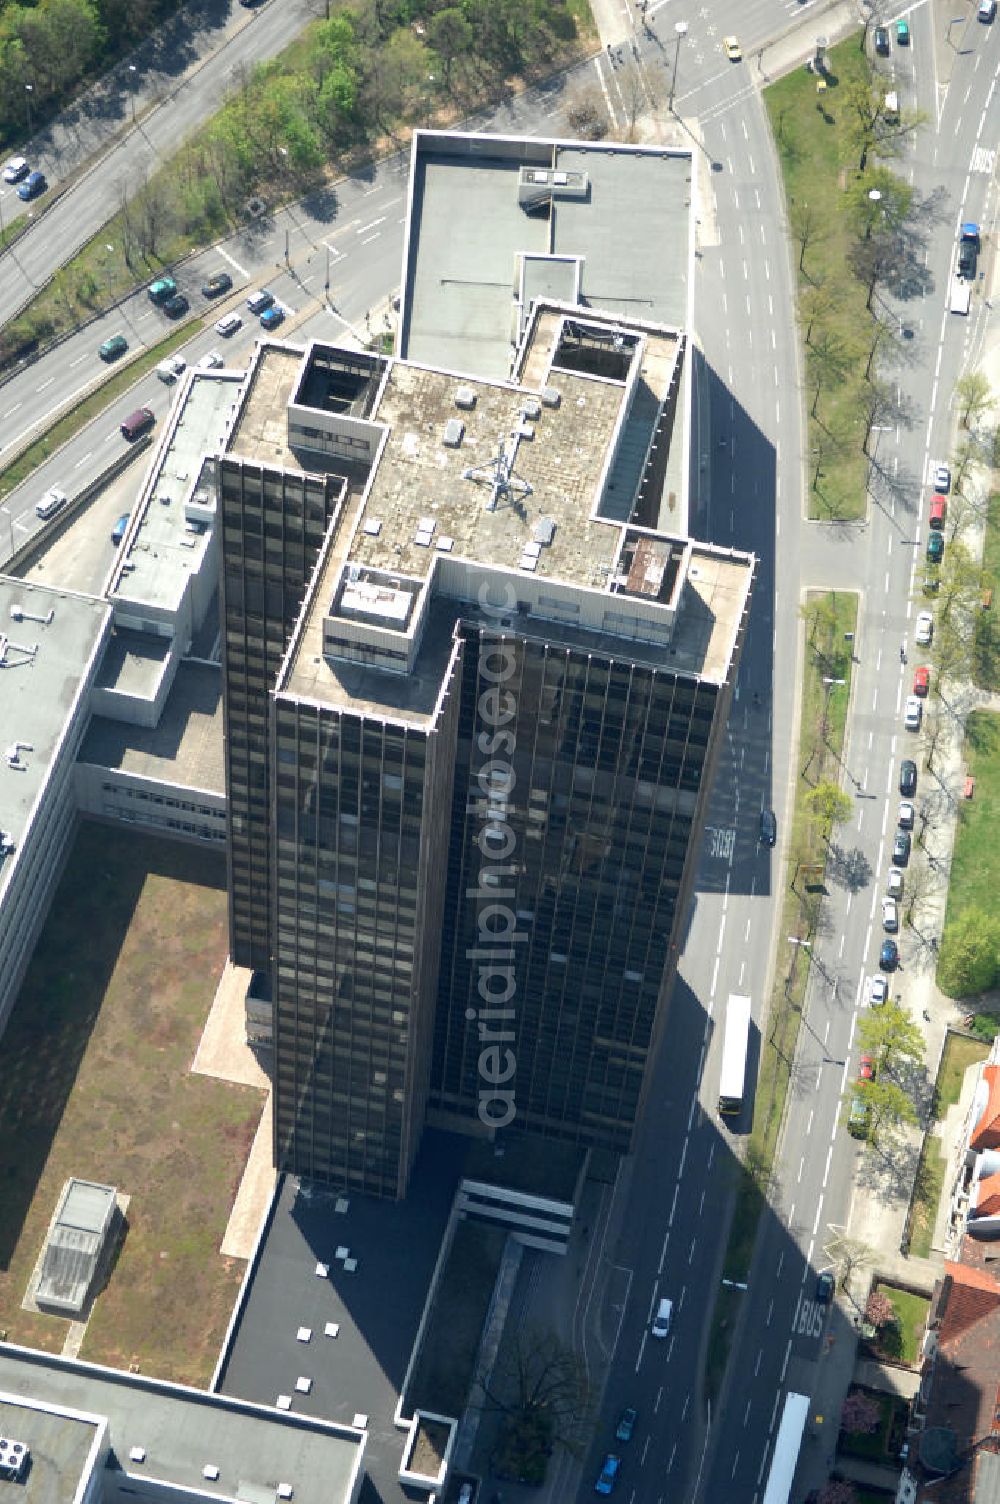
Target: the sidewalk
(881, 1197)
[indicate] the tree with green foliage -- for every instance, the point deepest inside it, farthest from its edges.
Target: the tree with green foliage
(541, 1391)
(969, 961)
(450, 35)
(889, 1034)
(831, 806)
(973, 395)
(888, 1105)
(889, 211)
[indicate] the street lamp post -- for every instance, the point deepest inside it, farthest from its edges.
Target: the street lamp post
(874, 198)
(131, 83)
(680, 30)
(28, 91)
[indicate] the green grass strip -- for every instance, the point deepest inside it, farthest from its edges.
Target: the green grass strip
(45, 446)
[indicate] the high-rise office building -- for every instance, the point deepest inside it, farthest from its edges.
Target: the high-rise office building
(474, 693)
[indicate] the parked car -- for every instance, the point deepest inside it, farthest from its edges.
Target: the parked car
(162, 289)
(903, 33)
(258, 301)
(882, 41)
(608, 1475)
(33, 185)
(908, 777)
(272, 317)
(901, 843)
(925, 628)
(113, 347)
(211, 361)
(888, 956)
(768, 827)
(912, 713)
(894, 883)
(938, 513)
(935, 548)
(922, 681)
(119, 529)
(15, 169)
(987, 10)
(626, 1424)
(857, 1118)
(906, 814)
(890, 916)
(217, 285)
(731, 47)
(878, 991)
(52, 502)
(825, 1287)
(228, 324)
(866, 1068)
(176, 306)
(942, 479)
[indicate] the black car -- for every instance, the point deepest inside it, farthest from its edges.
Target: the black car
(888, 956)
(768, 827)
(882, 41)
(626, 1424)
(908, 777)
(217, 285)
(901, 848)
(824, 1287)
(175, 306)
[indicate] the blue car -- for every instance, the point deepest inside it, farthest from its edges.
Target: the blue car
(271, 317)
(609, 1474)
(33, 185)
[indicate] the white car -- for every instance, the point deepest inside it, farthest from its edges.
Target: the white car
(906, 815)
(169, 369)
(890, 916)
(228, 324)
(878, 991)
(913, 713)
(925, 628)
(212, 361)
(894, 883)
(662, 1319)
(15, 169)
(52, 502)
(942, 479)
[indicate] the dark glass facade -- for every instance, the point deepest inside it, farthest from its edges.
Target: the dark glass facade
(597, 793)
(357, 927)
(273, 526)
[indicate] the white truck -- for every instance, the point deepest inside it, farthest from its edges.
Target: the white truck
(961, 294)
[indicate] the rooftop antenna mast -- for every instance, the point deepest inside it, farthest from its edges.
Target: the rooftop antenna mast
(498, 474)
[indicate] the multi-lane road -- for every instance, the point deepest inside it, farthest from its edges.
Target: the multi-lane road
(675, 1201)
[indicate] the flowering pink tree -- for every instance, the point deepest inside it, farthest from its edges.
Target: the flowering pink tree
(860, 1413)
(880, 1310)
(837, 1493)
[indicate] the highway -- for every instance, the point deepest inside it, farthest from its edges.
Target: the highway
(674, 1200)
(98, 150)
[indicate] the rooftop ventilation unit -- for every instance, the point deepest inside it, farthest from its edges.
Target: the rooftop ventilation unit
(13, 1458)
(426, 525)
(444, 545)
(465, 397)
(551, 396)
(528, 562)
(544, 530)
(372, 527)
(7, 844)
(454, 432)
(531, 408)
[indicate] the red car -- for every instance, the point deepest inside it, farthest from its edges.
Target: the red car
(921, 681)
(866, 1068)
